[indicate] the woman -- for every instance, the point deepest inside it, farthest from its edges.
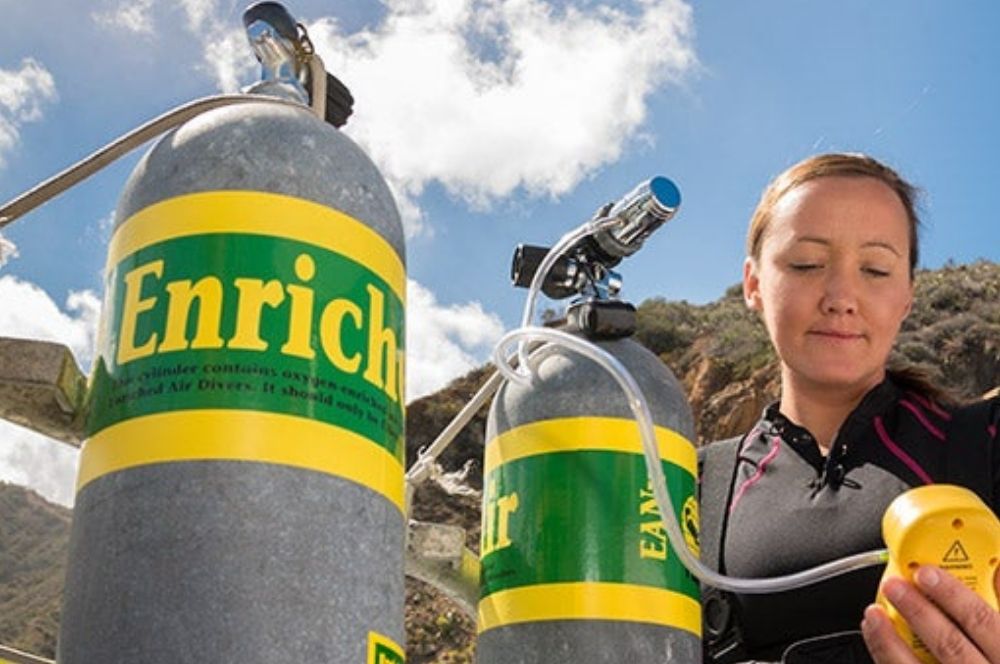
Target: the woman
(832, 250)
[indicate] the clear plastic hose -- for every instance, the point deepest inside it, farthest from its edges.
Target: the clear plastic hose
(640, 410)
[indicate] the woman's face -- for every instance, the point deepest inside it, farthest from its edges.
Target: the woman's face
(832, 282)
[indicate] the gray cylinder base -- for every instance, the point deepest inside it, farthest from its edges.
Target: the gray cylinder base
(591, 641)
(225, 561)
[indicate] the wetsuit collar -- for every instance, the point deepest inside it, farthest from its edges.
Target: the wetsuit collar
(830, 467)
(875, 402)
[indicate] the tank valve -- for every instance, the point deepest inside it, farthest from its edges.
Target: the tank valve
(287, 57)
(584, 268)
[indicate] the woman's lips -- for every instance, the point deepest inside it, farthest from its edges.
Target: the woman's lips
(836, 335)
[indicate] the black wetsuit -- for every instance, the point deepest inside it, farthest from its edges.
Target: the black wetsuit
(790, 508)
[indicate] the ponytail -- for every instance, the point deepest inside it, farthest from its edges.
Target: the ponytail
(913, 379)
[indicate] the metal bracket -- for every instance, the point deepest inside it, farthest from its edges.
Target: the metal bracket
(436, 554)
(8, 654)
(42, 388)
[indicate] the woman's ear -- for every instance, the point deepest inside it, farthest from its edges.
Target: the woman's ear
(751, 285)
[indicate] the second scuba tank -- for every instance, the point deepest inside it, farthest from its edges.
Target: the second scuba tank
(240, 497)
(576, 566)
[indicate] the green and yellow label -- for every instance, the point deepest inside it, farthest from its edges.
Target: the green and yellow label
(383, 650)
(571, 529)
(254, 326)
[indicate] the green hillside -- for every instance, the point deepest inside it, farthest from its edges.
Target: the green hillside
(34, 535)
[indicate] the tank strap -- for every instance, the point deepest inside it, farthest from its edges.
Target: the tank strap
(122, 145)
(716, 471)
(723, 635)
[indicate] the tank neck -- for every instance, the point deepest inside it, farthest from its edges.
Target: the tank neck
(280, 89)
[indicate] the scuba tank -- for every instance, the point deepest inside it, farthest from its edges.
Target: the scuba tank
(240, 494)
(576, 565)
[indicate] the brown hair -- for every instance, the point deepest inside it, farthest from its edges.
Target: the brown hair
(831, 165)
(913, 379)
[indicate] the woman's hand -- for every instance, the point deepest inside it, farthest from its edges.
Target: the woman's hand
(956, 624)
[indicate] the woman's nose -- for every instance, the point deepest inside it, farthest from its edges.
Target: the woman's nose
(840, 293)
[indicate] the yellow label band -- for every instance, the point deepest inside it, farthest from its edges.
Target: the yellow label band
(590, 601)
(576, 434)
(383, 650)
(242, 435)
(260, 213)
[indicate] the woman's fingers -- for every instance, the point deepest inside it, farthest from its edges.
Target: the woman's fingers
(956, 625)
(883, 643)
(979, 621)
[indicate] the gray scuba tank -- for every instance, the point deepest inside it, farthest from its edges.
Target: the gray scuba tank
(240, 496)
(575, 562)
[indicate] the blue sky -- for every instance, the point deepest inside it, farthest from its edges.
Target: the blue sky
(506, 121)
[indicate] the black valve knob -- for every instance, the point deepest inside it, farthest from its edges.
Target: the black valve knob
(561, 281)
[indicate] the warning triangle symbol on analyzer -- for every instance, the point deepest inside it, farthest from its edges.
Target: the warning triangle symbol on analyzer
(956, 554)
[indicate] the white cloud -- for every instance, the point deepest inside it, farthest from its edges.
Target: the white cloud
(200, 14)
(444, 341)
(485, 97)
(28, 312)
(28, 458)
(23, 92)
(8, 250)
(488, 96)
(226, 54)
(228, 58)
(106, 224)
(201, 17)
(414, 219)
(134, 16)
(32, 460)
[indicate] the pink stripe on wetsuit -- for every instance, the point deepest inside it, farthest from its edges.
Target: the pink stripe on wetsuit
(919, 414)
(768, 458)
(930, 405)
(898, 452)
